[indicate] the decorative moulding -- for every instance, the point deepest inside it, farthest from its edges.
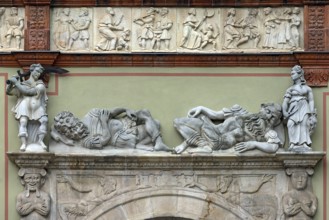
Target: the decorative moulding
(163, 160)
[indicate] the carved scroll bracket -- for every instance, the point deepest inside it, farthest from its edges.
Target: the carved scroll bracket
(25, 59)
(316, 68)
(31, 160)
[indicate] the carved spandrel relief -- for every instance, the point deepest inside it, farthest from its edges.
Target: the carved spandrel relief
(154, 29)
(198, 29)
(112, 30)
(72, 29)
(79, 195)
(120, 128)
(33, 203)
(12, 28)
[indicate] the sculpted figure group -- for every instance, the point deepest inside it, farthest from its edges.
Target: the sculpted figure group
(203, 130)
(176, 29)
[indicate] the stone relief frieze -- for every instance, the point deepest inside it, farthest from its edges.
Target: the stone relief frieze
(197, 30)
(11, 28)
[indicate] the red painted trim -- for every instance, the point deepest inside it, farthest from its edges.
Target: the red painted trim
(179, 74)
(5, 75)
(54, 93)
(325, 96)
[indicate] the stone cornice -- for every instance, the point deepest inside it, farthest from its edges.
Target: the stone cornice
(164, 161)
(315, 64)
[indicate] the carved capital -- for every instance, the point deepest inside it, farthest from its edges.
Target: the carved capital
(31, 160)
(316, 77)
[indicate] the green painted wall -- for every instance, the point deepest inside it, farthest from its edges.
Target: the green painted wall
(167, 92)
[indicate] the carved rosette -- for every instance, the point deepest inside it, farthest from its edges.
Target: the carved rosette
(37, 36)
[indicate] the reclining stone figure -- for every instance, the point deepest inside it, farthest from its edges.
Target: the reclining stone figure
(235, 128)
(119, 127)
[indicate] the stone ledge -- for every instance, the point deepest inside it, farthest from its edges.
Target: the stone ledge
(153, 161)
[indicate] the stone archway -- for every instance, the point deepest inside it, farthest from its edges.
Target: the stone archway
(175, 203)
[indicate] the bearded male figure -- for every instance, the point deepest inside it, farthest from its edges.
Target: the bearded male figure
(237, 128)
(119, 127)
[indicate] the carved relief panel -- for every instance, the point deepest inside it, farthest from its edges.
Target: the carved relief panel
(197, 30)
(154, 29)
(71, 29)
(112, 29)
(12, 28)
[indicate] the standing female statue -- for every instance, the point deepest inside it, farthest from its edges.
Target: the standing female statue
(298, 109)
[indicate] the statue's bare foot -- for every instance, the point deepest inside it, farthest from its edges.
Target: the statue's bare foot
(23, 147)
(161, 147)
(180, 148)
(204, 149)
(43, 145)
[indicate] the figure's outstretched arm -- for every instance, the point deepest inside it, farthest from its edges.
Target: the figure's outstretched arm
(262, 146)
(200, 110)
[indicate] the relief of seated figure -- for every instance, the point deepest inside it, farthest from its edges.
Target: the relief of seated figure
(119, 127)
(236, 128)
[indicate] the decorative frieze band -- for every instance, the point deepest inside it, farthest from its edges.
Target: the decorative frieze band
(148, 29)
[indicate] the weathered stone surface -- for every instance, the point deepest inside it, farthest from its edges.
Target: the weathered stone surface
(132, 184)
(183, 30)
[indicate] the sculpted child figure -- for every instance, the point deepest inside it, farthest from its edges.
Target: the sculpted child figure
(30, 109)
(237, 128)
